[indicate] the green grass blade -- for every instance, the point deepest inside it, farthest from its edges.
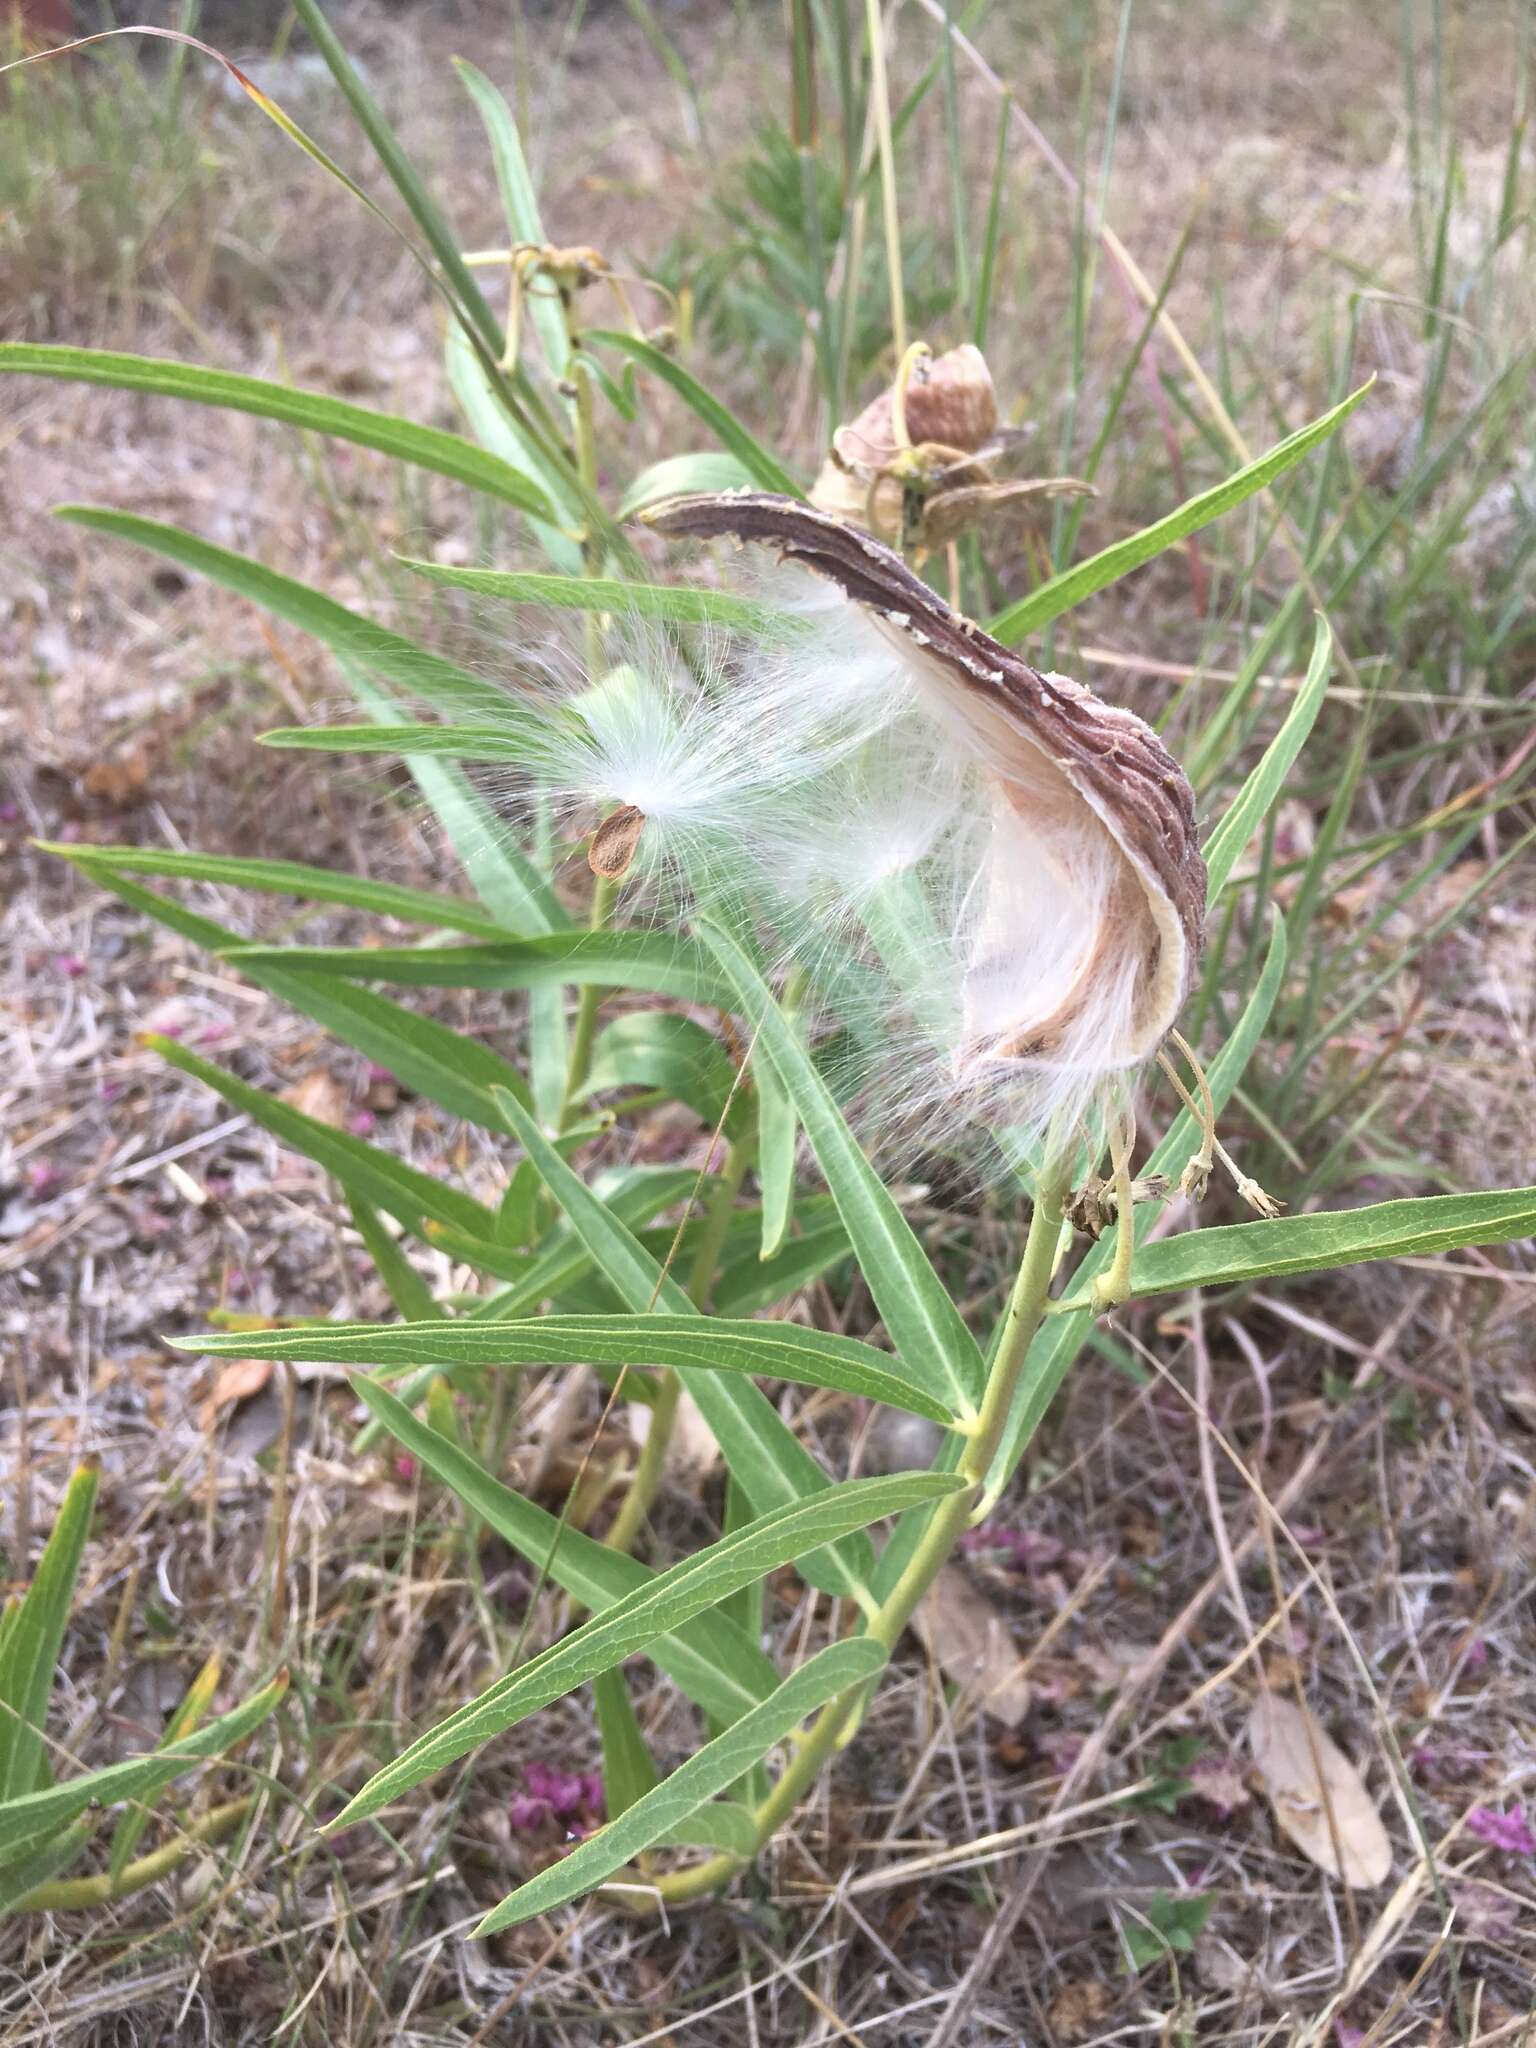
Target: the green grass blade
(137, 1777)
(717, 1666)
(764, 471)
(705, 1775)
(400, 1190)
(1416, 1228)
(1261, 791)
(692, 1345)
(1062, 592)
(406, 440)
(403, 175)
(924, 1324)
(285, 878)
(35, 1633)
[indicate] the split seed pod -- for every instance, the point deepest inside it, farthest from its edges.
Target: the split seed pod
(1081, 931)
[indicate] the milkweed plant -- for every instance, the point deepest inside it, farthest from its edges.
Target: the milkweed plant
(780, 832)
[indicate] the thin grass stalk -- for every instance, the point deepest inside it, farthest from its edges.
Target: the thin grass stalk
(881, 99)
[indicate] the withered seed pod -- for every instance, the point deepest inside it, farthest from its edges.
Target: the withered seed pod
(1090, 781)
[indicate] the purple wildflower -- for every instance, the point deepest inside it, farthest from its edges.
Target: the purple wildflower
(69, 964)
(405, 1466)
(41, 1177)
(360, 1122)
(574, 1799)
(1507, 1830)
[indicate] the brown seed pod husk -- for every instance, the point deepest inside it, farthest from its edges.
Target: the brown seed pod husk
(611, 853)
(1054, 752)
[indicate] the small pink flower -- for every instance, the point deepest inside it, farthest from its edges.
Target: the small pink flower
(41, 1177)
(405, 1466)
(1347, 2036)
(213, 1034)
(1475, 1656)
(69, 964)
(574, 1799)
(1507, 1830)
(361, 1122)
(109, 1091)
(374, 1072)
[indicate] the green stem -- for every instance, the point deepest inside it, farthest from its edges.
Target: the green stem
(950, 1518)
(653, 1452)
(586, 1013)
(71, 1894)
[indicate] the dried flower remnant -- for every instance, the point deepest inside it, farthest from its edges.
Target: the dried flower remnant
(1506, 1829)
(1078, 933)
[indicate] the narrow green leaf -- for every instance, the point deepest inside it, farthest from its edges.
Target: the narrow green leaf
(399, 1189)
(629, 1770)
(715, 1664)
(757, 1445)
(681, 603)
(690, 1344)
(35, 1865)
(520, 205)
(632, 1624)
(286, 878)
(317, 413)
(764, 471)
(777, 1130)
(924, 1324)
(1259, 793)
(724, 1824)
(1417, 1227)
(658, 962)
(190, 1714)
(706, 1774)
(748, 1282)
(136, 1777)
(390, 655)
(403, 174)
(35, 1633)
(676, 476)
(499, 429)
(407, 1290)
(660, 1049)
(1062, 592)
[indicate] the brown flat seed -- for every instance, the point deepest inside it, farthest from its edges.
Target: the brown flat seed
(613, 843)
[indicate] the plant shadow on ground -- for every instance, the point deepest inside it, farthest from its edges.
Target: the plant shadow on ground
(1338, 225)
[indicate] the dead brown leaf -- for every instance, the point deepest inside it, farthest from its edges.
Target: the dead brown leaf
(969, 1639)
(318, 1094)
(237, 1381)
(1078, 2007)
(1308, 1779)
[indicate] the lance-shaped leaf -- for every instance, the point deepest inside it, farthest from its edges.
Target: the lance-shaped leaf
(389, 655)
(690, 1344)
(679, 603)
(765, 472)
(385, 1181)
(1254, 800)
(285, 878)
(314, 411)
(633, 1623)
(705, 1775)
(771, 1463)
(137, 1777)
(1062, 592)
(924, 1324)
(34, 1632)
(716, 1664)
(654, 961)
(1415, 1228)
